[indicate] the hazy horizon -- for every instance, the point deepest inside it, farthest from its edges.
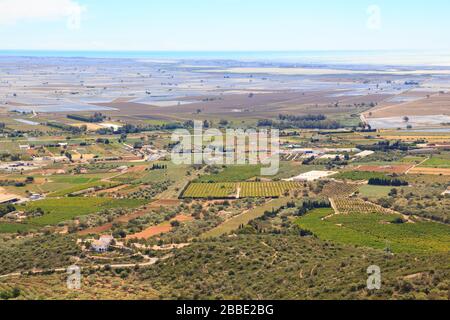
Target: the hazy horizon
(431, 58)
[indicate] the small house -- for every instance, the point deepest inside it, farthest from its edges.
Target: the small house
(103, 244)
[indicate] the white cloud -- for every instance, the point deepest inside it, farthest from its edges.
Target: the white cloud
(14, 11)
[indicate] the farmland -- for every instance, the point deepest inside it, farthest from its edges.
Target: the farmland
(347, 194)
(374, 192)
(240, 190)
(436, 162)
(398, 169)
(59, 210)
(358, 175)
(355, 205)
(211, 190)
(338, 189)
(376, 230)
(233, 174)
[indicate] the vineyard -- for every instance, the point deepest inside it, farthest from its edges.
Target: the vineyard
(337, 189)
(240, 190)
(210, 190)
(267, 189)
(353, 205)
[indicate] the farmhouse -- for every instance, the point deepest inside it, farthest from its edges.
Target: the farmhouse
(102, 245)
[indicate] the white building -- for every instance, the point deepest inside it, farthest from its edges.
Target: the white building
(103, 244)
(24, 147)
(312, 176)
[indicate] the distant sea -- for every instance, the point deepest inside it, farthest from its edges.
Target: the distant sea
(386, 58)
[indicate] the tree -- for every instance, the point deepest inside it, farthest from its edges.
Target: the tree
(175, 223)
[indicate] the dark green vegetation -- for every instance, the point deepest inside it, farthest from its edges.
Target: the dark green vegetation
(40, 252)
(387, 182)
(292, 267)
(96, 117)
(359, 175)
(301, 122)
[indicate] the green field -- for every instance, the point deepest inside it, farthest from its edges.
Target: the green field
(358, 175)
(377, 231)
(233, 174)
(436, 162)
(81, 187)
(14, 227)
(226, 190)
(374, 191)
(59, 210)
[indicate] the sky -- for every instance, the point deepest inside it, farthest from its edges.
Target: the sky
(224, 25)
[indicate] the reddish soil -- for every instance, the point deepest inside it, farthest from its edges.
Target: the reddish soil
(159, 229)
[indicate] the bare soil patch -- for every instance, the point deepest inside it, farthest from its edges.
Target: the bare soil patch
(159, 229)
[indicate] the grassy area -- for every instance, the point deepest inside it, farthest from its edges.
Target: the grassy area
(377, 231)
(374, 191)
(412, 159)
(436, 162)
(81, 187)
(358, 175)
(14, 227)
(233, 174)
(242, 219)
(59, 210)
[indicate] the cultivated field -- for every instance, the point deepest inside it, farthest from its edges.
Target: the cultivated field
(64, 209)
(355, 205)
(377, 230)
(241, 190)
